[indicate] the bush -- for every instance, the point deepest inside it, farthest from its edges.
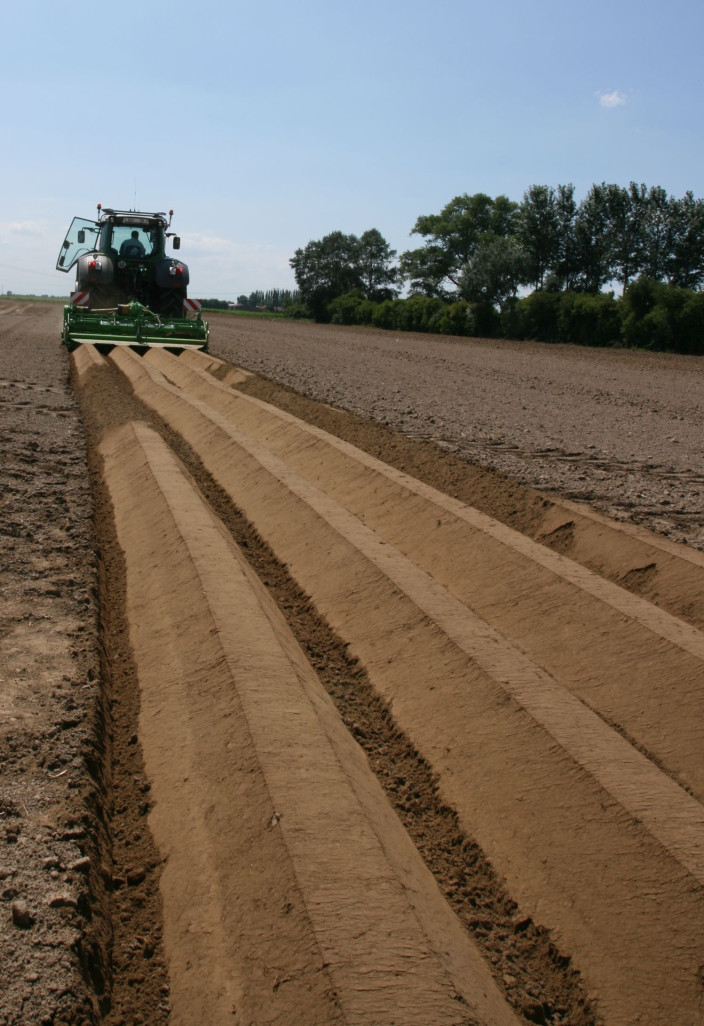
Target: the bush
(416, 312)
(454, 319)
(659, 316)
(650, 315)
(350, 309)
(690, 335)
(590, 319)
(536, 317)
(297, 312)
(384, 314)
(484, 321)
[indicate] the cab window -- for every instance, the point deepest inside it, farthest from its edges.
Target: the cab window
(82, 237)
(131, 241)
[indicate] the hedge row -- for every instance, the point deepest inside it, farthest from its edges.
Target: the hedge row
(650, 315)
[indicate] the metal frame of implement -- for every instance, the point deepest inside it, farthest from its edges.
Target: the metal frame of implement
(132, 324)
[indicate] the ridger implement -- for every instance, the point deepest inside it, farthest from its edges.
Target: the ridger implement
(128, 292)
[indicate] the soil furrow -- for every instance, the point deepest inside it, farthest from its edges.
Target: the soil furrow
(191, 830)
(539, 980)
(412, 668)
(245, 755)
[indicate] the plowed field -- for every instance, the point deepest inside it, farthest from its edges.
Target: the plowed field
(311, 717)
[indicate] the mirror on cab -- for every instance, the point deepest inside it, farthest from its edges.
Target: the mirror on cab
(81, 237)
(177, 242)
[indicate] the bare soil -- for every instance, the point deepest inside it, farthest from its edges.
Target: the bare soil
(119, 861)
(619, 429)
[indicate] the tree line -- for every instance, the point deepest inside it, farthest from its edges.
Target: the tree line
(482, 251)
(271, 299)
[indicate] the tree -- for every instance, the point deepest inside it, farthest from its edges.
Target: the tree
(564, 273)
(685, 263)
(379, 277)
(495, 272)
(538, 226)
(625, 236)
(592, 241)
(657, 234)
(425, 270)
(325, 269)
(339, 264)
(453, 237)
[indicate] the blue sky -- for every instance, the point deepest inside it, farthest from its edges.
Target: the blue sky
(267, 125)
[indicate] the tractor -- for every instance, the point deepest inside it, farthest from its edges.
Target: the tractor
(128, 291)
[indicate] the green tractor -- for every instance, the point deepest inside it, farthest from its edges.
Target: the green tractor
(128, 291)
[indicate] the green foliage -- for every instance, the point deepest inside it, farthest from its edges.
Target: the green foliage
(616, 233)
(273, 299)
(379, 277)
(495, 272)
(580, 318)
(352, 308)
(453, 238)
(384, 314)
(590, 320)
(591, 231)
(478, 252)
(658, 316)
(651, 315)
(339, 264)
(298, 312)
(535, 317)
(325, 269)
(417, 312)
(484, 321)
(456, 319)
(684, 260)
(658, 234)
(538, 231)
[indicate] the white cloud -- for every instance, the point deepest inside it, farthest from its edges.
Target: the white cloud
(23, 227)
(205, 243)
(614, 99)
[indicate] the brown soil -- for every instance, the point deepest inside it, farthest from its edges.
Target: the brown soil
(621, 430)
(569, 857)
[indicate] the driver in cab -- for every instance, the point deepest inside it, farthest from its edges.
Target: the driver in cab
(132, 248)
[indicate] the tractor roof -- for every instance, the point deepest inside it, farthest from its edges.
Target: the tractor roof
(135, 217)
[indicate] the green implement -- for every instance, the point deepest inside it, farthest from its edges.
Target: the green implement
(132, 324)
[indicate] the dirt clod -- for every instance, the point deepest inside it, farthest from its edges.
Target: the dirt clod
(21, 916)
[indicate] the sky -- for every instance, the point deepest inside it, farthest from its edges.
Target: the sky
(265, 126)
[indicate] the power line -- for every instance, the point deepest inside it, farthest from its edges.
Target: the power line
(28, 270)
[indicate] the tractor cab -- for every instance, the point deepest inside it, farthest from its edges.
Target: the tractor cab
(118, 234)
